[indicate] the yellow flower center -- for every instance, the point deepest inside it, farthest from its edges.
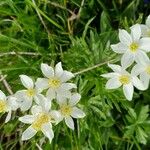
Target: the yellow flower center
(147, 70)
(124, 79)
(133, 47)
(3, 106)
(41, 120)
(66, 110)
(54, 82)
(31, 92)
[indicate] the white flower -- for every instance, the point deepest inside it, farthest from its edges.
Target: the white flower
(25, 97)
(132, 46)
(146, 28)
(143, 69)
(69, 110)
(120, 77)
(7, 104)
(55, 81)
(41, 120)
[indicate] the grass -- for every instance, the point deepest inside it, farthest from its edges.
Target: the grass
(78, 33)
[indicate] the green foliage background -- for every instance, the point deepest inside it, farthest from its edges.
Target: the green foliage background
(79, 34)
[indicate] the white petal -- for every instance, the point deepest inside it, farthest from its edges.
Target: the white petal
(28, 133)
(77, 113)
(137, 83)
(25, 104)
(47, 131)
(69, 122)
(144, 30)
(145, 44)
(113, 83)
(58, 70)
(137, 69)
(68, 86)
(119, 48)
(110, 75)
(66, 76)
(125, 37)
(63, 93)
(41, 84)
(8, 117)
(141, 57)
(47, 70)
(51, 94)
(128, 91)
(148, 21)
(28, 119)
(35, 110)
(12, 102)
(26, 81)
(127, 60)
(115, 68)
(56, 115)
(74, 99)
(145, 78)
(2, 96)
(136, 32)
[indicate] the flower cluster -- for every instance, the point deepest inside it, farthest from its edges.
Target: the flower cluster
(134, 47)
(39, 98)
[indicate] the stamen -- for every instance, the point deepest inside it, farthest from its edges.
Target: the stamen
(133, 47)
(41, 119)
(3, 106)
(31, 92)
(54, 82)
(147, 70)
(66, 110)
(124, 79)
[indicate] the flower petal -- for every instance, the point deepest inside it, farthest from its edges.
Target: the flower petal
(69, 122)
(2, 96)
(127, 60)
(25, 104)
(141, 57)
(144, 30)
(77, 113)
(125, 37)
(128, 91)
(148, 21)
(56, 115)
(109, 75)
(28, 119)
(47, 70)
(68, 86)
(119, 48)
(144, 44)
(26, 81)
(136, 32)
(115, 68)
(74, 99)
(58, 70)
(8, 117)
(145, 78)
(36, 109)
(51, 94)
(47, 131)
(63, 93)
(137, 69)
(113, 83)
(41, 84)
(66, 76)
(137, 83)
(28, 133)
(12, 102)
